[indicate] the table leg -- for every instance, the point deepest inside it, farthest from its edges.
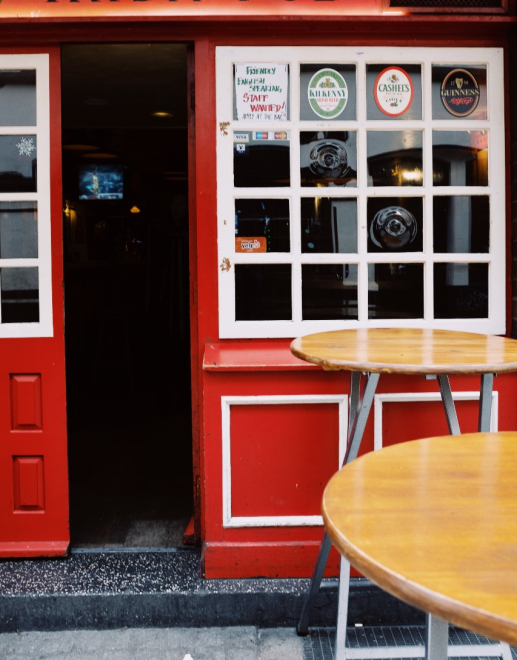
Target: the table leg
(359, 411)
(436, 638)
(448, 404)
(342, 609)
(485, 402)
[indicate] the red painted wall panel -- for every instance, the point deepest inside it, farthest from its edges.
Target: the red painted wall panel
(26, 411)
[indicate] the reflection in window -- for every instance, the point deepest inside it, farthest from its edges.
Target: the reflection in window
(328, 158)
(18, 230)
(261, 159)
(263, 292)
(329, 291)
(395, 224)
(262, 225)
(461, 224)
(20, 295)
(460, 158)
(18, 98)
(460, 291)
(395, 158)
(395, 291)
(17, 163)
(329, 225)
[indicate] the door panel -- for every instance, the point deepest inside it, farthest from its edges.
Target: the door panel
(33, 451)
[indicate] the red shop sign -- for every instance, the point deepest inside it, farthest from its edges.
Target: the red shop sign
(182, 8)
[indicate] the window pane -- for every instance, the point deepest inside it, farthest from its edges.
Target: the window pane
(460, 158)
(17, 163)
(329, 225)
(460, 291)
(20, 295)
(18, 230)
(329, 291)
(395, 158)
(327, 91)
(263, 292)
(262, 225)
(261, 159)
(18, 98)
(395, 291)
(459, 91)
(395, 224)
(261, 92)
(328, 158)
(394, 91)
(461, 224)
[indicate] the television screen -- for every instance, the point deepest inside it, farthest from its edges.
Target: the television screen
(101, 181)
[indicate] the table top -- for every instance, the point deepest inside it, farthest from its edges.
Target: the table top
(408, 351)
(434, 522)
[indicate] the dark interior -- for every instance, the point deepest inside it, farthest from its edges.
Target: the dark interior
(124, 112)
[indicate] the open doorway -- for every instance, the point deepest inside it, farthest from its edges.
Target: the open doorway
(124, 115)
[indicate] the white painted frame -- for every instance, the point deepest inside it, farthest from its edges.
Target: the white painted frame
(274, 521)
(43, 328)
(416, 397)
(492, 58)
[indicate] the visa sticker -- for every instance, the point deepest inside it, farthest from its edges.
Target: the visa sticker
(241, 137)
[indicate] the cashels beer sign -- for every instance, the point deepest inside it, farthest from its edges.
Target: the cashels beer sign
(393, 91)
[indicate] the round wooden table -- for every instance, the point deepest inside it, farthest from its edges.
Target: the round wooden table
(434, 522)
(408, 351)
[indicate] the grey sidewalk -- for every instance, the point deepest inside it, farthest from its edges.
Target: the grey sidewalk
(233, 643)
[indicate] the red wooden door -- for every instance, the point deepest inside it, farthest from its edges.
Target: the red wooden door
(33, 452)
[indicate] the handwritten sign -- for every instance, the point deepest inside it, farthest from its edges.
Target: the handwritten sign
(261, 92)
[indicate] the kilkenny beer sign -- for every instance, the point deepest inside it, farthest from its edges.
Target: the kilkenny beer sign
(45, 9)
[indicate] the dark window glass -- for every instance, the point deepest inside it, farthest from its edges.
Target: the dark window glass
(395, 224)
(461, 224)
(329, 225)
(18, 163)
(18, 230)
(460, 158)
(459, 92)
(460, 291)
(261, 159)
(266, 221)
(413, 111)
(20, 295)
(18, 98)
(263, 292)
(327, 92)
(395, 291)
(328, 158)
(329, 291)
(395, 158)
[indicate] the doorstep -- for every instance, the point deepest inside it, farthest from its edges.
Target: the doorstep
(105, 589)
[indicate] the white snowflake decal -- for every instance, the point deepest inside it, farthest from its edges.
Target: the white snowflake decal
(26, 146)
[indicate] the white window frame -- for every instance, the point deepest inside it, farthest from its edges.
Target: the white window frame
(226, 57)
(44, 327)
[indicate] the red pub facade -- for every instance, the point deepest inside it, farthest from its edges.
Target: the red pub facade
(303, 165)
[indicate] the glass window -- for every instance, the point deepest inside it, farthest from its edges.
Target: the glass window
(18, 163)
(460, 291)
(18, 230)
(329, 224)
(328, 158)
(395, 224)
(262, 292)
(20, 295)
(327, 91)
(460, 158)
(329, 291)
(461, 224)
(459, 91)
(395, 158)
(18, 97)
(261, 159)
(395, 291)
(262, 225)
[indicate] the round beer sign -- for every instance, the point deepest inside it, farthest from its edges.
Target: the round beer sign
(393, 91)
(460, 93)
(328, 93)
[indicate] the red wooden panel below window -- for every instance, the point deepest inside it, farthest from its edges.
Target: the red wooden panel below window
(26, 411)
(282, 456)
(29, 487)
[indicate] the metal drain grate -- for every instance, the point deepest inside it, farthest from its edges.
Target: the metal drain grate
(319, 644)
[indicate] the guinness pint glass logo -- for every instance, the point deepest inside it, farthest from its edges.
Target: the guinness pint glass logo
(393, 91)
(328, 93)
(460, 93)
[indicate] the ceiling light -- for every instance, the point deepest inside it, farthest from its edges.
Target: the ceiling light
(162, 114)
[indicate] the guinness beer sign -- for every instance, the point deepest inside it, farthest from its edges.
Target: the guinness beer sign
(460, 93)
